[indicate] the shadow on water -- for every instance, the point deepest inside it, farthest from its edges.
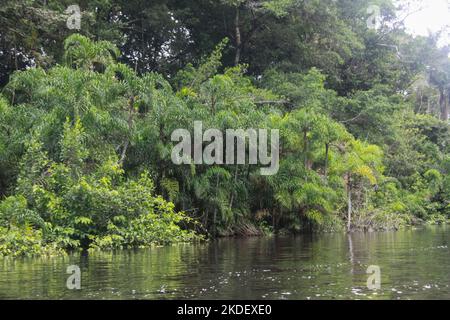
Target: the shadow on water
(414, 263)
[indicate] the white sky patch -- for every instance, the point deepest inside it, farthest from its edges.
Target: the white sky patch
(429, 16)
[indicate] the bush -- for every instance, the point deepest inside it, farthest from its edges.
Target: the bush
(104, 211)
(71, 209)
(437, 219)
(24, 242)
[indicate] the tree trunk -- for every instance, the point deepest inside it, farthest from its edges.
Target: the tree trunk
(349, 204)
(235, 181)
(215, 209)
(130, 125)
(444, 108)
(273, 219)
(443, 102)
(214, 222)
(237, 57)
(305, 147)
(327, 151)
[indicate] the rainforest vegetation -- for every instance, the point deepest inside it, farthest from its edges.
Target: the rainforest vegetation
(86, 118)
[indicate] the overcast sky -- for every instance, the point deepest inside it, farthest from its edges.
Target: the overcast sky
(434, 15)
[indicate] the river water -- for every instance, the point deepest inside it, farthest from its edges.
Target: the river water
(414, 264)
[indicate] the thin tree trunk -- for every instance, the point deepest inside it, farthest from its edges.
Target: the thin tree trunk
(130, 124)
(237, 57)
(444, 109)
(349, 204)
(124, 152)
(305, 147)
(205, 218)
(273, 219)
(443, 102)
(215, 209)
(235, 181)
(327, 151)
(214, 221)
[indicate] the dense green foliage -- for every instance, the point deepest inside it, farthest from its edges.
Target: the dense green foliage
(85, 139)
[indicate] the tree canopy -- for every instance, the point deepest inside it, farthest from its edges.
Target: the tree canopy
(86, 118)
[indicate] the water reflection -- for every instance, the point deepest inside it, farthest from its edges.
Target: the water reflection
(415, 264)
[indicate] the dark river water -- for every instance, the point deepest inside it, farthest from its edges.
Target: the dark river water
(414, 264)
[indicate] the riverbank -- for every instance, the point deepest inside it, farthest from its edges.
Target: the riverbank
(29, 242)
